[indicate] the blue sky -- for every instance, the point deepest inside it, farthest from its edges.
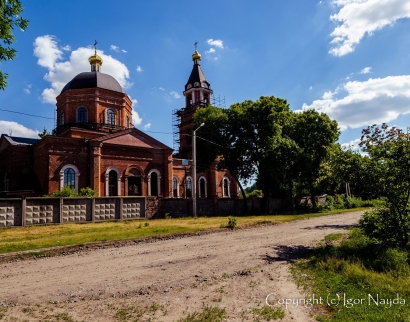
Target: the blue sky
(347, 58)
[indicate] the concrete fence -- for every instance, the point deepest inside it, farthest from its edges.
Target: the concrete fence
(32, 211)
(42, 211)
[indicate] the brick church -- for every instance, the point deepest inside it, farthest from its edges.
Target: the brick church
(95, 145)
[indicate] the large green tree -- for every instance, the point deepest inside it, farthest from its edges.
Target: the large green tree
(243, 133)
(389, 152)
(10, 11)
(313, 133)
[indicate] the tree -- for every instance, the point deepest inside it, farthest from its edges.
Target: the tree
(44, 133)
(10, 11)
(244, 132)
(389, 152)
(314, 133)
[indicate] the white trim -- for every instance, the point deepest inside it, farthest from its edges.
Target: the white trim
(77, 175)
(107, 175)
(158, 181)
(199, 187)
(177, 196)
(223, 188)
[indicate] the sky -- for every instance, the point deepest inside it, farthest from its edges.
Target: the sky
(347, 58)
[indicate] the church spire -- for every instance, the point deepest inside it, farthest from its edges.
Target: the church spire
(95, 60)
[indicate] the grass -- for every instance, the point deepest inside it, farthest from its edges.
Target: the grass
(358, 279)
(207, 314)
(17, 239)
(270, 313)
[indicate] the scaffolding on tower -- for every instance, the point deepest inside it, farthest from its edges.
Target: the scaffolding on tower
(176, 122)
(218, 101)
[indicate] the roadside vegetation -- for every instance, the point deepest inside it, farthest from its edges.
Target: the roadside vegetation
(18, 239)
(358, 279)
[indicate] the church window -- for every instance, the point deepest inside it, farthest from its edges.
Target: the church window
(82, 115)
(154, 187)
(128, 122)
(110, 116)
(62, 118)
(202, 187)
(225, 187)
(69, 178)
(188, 187)
(175, 187)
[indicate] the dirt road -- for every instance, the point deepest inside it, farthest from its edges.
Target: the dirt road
(166, 280)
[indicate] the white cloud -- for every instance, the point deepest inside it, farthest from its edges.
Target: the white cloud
(175, 94)
(117, 49)
(61, 72)
(47, 52)
(354, 145)
(162, 89)
(27, 89)
(365, 70)
(66, 48)
(357, 18)
(311, 87)
(210, 51)
(215, 42)
(17, 130)
(139, 69)
(373, 101)
(136, 119)
(147, 126)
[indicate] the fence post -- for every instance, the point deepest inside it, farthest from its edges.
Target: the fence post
(121, 210)
(61, 202)
(93, 210)
(23, 211)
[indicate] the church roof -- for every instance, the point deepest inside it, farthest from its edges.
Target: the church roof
(197, 75)
(94, 80)
(15, 140)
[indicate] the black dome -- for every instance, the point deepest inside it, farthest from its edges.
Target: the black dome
(93, 80)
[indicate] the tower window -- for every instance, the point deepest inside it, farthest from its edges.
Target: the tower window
(128, 122)
(225, 187)
(62, 118)
(110, 116)
(82, 115)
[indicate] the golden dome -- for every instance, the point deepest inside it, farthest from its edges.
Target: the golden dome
(196, 55)
(95, 59)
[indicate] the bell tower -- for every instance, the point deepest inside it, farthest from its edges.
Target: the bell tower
(197, 95)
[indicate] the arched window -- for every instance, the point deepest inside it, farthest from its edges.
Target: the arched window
(110, 117)
(225, 187)
(175, 189)
(6, 182)
(69, 178)
(82, 115)
(188, 187)
(69, 175)
(112, 182)
(202, 187)
(62, 118)
(154, 183)
(128, 122)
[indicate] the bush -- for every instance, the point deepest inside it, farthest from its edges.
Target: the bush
(87, 192)
(67, 192)
(232, 222)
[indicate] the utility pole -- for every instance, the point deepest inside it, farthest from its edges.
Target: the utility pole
(194, 170)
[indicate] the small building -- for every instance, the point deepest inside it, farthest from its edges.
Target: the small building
(95, 145)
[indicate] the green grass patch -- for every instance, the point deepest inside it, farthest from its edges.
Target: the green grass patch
(270, 313)
(17, 239)
(207, 314)
(357, 280)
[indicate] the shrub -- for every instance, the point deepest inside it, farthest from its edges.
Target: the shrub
(87, 192)
(65, 192)
(232, 222)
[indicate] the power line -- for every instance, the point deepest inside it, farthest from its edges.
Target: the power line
(43, 117)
